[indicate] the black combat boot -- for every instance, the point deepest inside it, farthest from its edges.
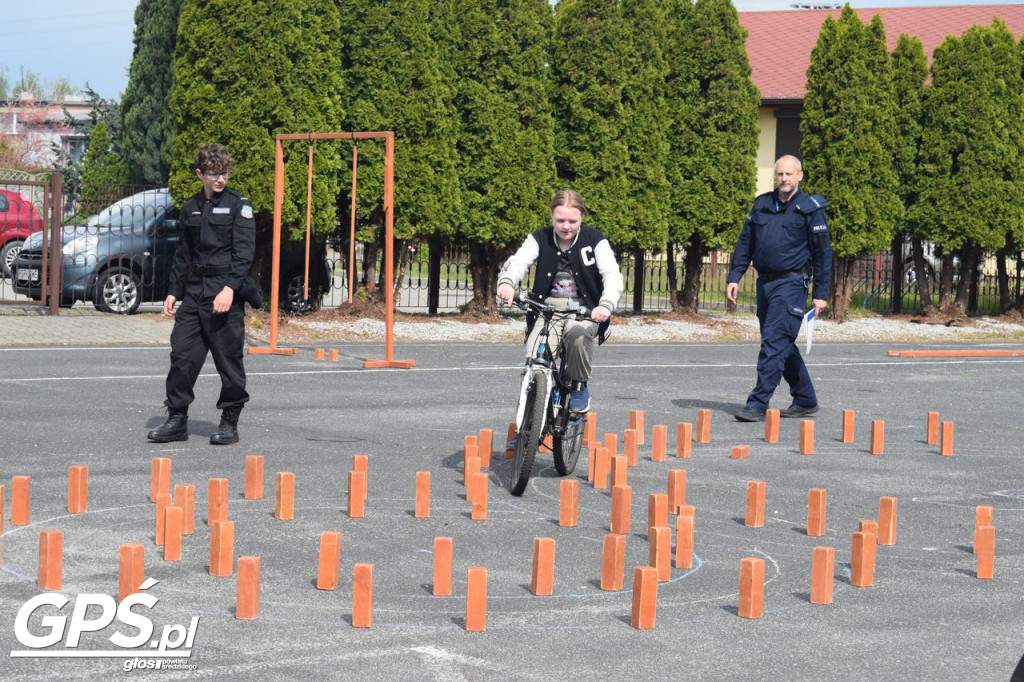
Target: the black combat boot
(175, 428)
(227, 431)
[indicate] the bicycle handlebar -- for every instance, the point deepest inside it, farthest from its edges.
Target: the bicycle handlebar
(523, 301)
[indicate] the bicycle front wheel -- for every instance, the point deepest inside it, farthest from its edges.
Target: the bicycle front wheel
(528, 438)
(567, 447)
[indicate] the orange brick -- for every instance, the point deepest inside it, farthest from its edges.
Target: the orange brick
(676, 489)
(3, 510)
(591, 461)
(611, 442)
(806, 436)
(862, 561)
(613, 562)
(51, 559)
(620, 470)
(21, 500)
(160, 477)
(659, 443)
(542, 581)
(173, 519)
(185, 497)
(362, 463)
(946, 447)
(247, 604)
(636, 422)
(751, 588)
(657, 511)
(356, 494)
(661, 551)
(684, 541)
(319, 353)
(254, 477)
(645, 597)
(590, 429)
(622, 500)
(568, 503)
(329, 563)
(869, 526)
(509, 452)
(485, 446)
(602, 465)
(442, 567)
(216, 500)
(284, 498)
(163, 501)
(771, 426)
(222, 548)
(333, 355)
(849, 424)
(816, 498)
(629, 447)
(684, 440)
(887, 511)
(686, 510)
(362, 595)
(823, 563)
(471, 450)
(754, 516)
(479, 485)
(78, 489)
(932, 433)
(877, 437)
(703, 426)
(982, 517)
(986, 551)
(131, 570)
(422, 494)
(476, 599)
(740, 451)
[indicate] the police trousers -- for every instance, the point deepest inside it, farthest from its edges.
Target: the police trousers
(780, 310)
(575, 339)
(198, 332)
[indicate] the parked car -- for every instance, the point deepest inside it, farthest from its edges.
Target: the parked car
(122, 256)
(18, 219)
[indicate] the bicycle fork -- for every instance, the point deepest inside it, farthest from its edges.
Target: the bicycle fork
(524, 390)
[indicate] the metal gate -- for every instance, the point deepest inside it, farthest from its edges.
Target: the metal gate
(30, 210)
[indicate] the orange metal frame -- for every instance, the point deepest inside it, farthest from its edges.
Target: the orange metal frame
(389, 256)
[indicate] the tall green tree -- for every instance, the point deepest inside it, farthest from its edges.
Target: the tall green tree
(972, 145)
(148, 137)
(506, 164)
(715, 138)
(848, 146)
(103, 172)
(245, 72)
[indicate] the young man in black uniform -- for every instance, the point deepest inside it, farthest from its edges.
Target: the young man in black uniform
(210, 265)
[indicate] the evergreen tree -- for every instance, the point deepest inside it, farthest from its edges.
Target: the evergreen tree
(849, 131)
(103, 172)
(505, 141)
(972, 139)
(716, 134)
(244, 72)
(148, 137)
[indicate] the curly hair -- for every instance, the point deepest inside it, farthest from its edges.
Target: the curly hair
(214, 158)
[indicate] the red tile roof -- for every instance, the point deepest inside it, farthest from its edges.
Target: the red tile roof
(779, 43)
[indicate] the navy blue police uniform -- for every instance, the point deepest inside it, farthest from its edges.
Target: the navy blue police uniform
(216, 250)
(789, 246)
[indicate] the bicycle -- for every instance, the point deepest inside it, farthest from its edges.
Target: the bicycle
(543, 407)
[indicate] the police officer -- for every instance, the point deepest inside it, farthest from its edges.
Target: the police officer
(786, 236)
(210, 265)
(575, 264)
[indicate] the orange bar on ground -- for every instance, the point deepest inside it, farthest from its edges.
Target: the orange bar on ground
(877, 436)
(636, 422)
(754, 516)
(982, 517)
(284, 498)
(185, 497)
(659, 443)
(630, 447)
(816, 512)
(362, 595)
(485, 446)
(78, 489)
(613, 562)
(862, 561)
(442, 567)
(222, 548)
(422, 494)
(661, 551)
(602, 465)
(591, 460)
(849, 424)
(974, 353)
(946, 447)
(986, 551)
(568, 502)
(254, 477)
(676, 489)
(703, 426)
(319, 353)
(932, 434)
(247, 604)
(657, 511)
(476, 599)
(620, 470)
(160, 477)
(21, 500)
(684, 541)
(163, 501)
(333, 355)
(684, 440)
(479, 485)
(622, 500)
(823, 564)
(174, 518)
(740, 451)
(645, 597)
(131, 560)
(611, 442)
(887, 511)
(356, 494)
(751, 588)
(329, 564)
(51, 559)
(806, 436)
(216, 500)
(542, 581)
(470, 468)
(771, 425)
(470, 451)
(590, 429)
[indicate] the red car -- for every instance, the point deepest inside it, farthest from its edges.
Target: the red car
(18, 219)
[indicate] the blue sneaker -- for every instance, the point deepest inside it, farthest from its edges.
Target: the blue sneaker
(579, 401)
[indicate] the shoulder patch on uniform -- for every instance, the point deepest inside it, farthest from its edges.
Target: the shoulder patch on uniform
(819, 228)
(247, 211)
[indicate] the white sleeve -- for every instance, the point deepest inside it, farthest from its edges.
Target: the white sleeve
(516, 266)
(611, 276)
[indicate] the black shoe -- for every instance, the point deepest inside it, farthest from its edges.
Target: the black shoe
(798, 411)
(175, 428)
(227, 430)
(749, 414)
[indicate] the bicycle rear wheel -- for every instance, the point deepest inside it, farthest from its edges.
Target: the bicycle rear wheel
(528, 438)
(567, 448)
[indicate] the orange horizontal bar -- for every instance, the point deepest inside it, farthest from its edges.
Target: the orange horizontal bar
(990, 353)
(336, 136)
(273, 351)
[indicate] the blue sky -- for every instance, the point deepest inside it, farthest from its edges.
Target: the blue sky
(91, 42)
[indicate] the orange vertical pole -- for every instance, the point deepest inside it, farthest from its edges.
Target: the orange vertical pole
(352, 226)
(309, 219)
(275, 275)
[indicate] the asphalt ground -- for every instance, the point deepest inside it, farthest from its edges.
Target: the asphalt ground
(926, 616)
